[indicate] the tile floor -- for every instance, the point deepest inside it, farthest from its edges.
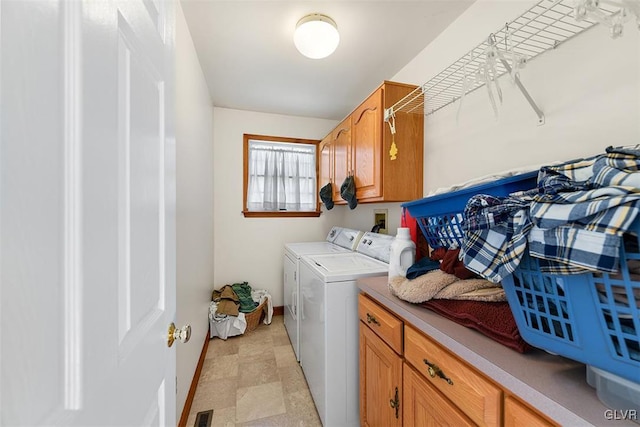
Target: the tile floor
(254, 380)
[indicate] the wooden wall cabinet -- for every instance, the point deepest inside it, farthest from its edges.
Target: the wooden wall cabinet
(378, 177)
(435, 388)
(361, 145)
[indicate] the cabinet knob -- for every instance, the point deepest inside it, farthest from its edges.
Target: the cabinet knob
(435, 371)
(371, 319)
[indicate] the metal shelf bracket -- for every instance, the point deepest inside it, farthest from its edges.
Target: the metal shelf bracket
(518, 83)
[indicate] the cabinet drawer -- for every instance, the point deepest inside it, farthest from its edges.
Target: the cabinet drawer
(466, 388)
(425, 407)
(385, 325)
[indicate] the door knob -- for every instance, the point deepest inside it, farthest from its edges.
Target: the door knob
(183, 334)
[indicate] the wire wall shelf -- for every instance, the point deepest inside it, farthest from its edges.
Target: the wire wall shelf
(544, 26)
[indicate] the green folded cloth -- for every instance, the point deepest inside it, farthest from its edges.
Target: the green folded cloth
(243, 290)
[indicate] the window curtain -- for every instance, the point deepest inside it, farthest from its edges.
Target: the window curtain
(282, 177)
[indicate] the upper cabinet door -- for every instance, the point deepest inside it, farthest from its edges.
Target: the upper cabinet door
(367, 146)
(326, 161)
(342, 156)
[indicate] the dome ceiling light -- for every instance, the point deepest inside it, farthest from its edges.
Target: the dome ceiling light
(316, 36)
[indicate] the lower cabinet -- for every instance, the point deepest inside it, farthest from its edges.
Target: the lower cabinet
(408, 379)
(462, 385)
(425, 406)
(380, 382)
(517, 414)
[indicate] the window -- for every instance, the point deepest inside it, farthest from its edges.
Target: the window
(280, 176)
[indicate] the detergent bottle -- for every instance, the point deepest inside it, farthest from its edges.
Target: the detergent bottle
(403, 253)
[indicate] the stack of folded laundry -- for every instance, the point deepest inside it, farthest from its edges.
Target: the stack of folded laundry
(444, 285)
(443, 276)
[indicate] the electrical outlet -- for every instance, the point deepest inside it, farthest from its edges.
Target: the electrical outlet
(381, 220)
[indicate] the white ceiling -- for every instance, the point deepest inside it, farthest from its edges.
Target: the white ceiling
(250, 63)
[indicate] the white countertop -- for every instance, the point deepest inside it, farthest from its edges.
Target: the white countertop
(554, 385)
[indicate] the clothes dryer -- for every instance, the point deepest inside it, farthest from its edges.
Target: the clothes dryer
(339, 240)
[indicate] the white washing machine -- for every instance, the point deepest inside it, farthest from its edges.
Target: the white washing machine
(329, 325)
(339, 240)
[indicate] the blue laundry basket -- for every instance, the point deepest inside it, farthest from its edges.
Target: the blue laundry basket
(593, 318)
(441, 217)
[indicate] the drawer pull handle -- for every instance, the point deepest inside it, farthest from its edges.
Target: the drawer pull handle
(395, 403)
(434, 371)
(371, 319)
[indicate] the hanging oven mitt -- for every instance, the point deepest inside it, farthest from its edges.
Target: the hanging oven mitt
(326, 196)
(348, 192)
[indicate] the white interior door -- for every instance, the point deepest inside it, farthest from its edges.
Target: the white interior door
(87, 201)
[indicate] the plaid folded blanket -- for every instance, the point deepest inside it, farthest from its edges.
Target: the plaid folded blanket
(582, 211)
(573, 223)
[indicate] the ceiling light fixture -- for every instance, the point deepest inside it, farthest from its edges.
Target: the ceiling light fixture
(316, 36)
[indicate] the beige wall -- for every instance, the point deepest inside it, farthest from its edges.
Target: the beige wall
(194, 211)
(362, 217)
(251, 249)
